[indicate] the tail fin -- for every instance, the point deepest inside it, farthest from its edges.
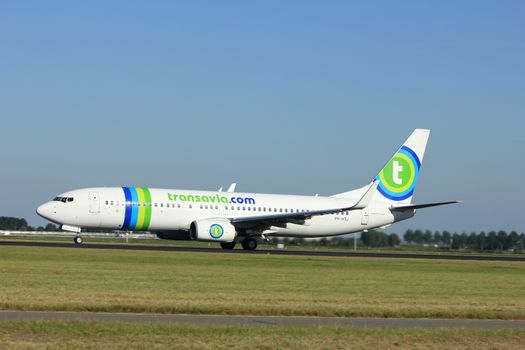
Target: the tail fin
(398, 178)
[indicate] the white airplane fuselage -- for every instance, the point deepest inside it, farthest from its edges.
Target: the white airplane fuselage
(175, 210)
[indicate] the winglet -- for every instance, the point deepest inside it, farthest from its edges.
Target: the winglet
(232, 187)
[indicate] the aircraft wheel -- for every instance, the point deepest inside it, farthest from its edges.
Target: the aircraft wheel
(228, 245)
(78, 240)
(249, 244)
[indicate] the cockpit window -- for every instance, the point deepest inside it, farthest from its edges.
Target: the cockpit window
(63, 199)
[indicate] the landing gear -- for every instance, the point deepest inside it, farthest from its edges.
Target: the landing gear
(249, 244)
(78, 239)
(228, 245)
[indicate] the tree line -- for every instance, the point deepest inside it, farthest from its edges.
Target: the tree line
(19, 224)
(492, 240)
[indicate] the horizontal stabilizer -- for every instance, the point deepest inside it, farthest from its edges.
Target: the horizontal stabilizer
(421, 206)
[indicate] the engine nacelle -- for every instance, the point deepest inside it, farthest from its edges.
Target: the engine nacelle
(212, 230)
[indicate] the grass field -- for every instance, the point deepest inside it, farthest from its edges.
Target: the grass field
(104, 335)
(178, 282)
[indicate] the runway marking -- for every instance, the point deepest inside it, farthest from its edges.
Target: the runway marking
(277, 321)
(262, 251)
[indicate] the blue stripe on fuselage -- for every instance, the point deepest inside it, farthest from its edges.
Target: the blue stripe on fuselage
(127, 215)
(135, 208)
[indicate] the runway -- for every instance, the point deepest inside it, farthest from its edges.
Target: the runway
(263, 251)
(277, 321)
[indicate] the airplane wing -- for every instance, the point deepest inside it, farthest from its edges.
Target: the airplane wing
(300, 217)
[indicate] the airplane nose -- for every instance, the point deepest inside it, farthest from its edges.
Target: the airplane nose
(45, 210)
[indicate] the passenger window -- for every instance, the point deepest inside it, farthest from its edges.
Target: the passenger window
(107, 202)
(111, 202)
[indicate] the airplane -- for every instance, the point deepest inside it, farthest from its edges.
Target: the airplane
(231, 217)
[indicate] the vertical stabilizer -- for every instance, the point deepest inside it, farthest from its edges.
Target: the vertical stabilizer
(398, 178)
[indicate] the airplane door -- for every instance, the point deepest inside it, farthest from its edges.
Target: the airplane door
(94, 202)
(364, 216)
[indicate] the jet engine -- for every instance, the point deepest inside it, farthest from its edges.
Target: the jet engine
(212, 230)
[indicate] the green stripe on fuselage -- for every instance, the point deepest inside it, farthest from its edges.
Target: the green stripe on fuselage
(142, 209)
(147, 215)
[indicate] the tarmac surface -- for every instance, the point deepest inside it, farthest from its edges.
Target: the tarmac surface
(277, 321)
(263, 251)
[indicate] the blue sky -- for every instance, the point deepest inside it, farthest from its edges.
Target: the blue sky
(296, 97)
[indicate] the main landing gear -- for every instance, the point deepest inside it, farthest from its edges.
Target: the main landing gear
(247, 244)
(78, 239)
(228, 245)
